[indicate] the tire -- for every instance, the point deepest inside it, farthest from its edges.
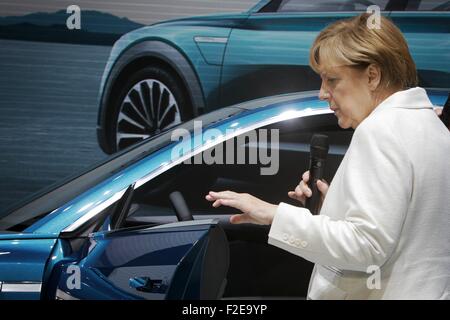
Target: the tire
(151, 101)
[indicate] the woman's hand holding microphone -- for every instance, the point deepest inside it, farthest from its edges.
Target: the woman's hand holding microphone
(302, 191)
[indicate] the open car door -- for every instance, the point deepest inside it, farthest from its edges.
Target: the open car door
(181, 260)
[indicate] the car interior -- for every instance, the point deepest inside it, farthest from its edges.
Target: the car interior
(256, 269)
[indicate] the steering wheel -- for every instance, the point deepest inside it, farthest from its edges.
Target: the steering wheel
(180, 206)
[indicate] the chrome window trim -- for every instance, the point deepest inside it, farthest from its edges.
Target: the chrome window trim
(186, 223)
(315, 13)
(20, 286)
(289, 114)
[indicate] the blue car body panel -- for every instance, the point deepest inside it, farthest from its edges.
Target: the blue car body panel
(22, 261)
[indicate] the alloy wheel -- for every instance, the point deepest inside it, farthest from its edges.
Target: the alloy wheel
(148, 108)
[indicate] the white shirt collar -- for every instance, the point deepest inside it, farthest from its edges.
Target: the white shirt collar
(414, 98)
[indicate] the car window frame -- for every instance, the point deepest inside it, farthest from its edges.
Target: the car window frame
(278, 3)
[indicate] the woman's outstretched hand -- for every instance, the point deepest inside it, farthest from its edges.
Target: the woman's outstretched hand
(302, 191)
(254, 210)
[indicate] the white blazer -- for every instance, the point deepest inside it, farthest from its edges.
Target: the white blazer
(386, 215)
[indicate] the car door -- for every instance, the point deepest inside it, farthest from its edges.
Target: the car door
(184, 260)
(269, 54)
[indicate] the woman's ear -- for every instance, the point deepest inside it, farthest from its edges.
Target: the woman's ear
(373, 76)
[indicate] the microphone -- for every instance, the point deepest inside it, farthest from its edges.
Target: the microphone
(317, 158)
(445, 115)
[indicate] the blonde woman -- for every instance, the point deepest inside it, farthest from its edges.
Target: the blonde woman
(386, 213)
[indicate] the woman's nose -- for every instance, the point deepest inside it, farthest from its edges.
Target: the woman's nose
(323, 93)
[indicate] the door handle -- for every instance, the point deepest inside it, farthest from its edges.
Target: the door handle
(145, 284)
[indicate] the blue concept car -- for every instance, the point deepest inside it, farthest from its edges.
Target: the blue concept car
(137, 226)
(161, 75)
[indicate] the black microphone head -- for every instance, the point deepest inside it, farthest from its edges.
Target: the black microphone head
(319, 146)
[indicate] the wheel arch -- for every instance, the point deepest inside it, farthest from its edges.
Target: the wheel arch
(146, 53)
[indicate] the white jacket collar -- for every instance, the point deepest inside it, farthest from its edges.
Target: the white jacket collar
(414, 98)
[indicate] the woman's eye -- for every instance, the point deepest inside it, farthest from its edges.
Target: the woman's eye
(332, 81)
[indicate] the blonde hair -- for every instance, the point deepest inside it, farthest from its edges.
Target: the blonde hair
(351, 42)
